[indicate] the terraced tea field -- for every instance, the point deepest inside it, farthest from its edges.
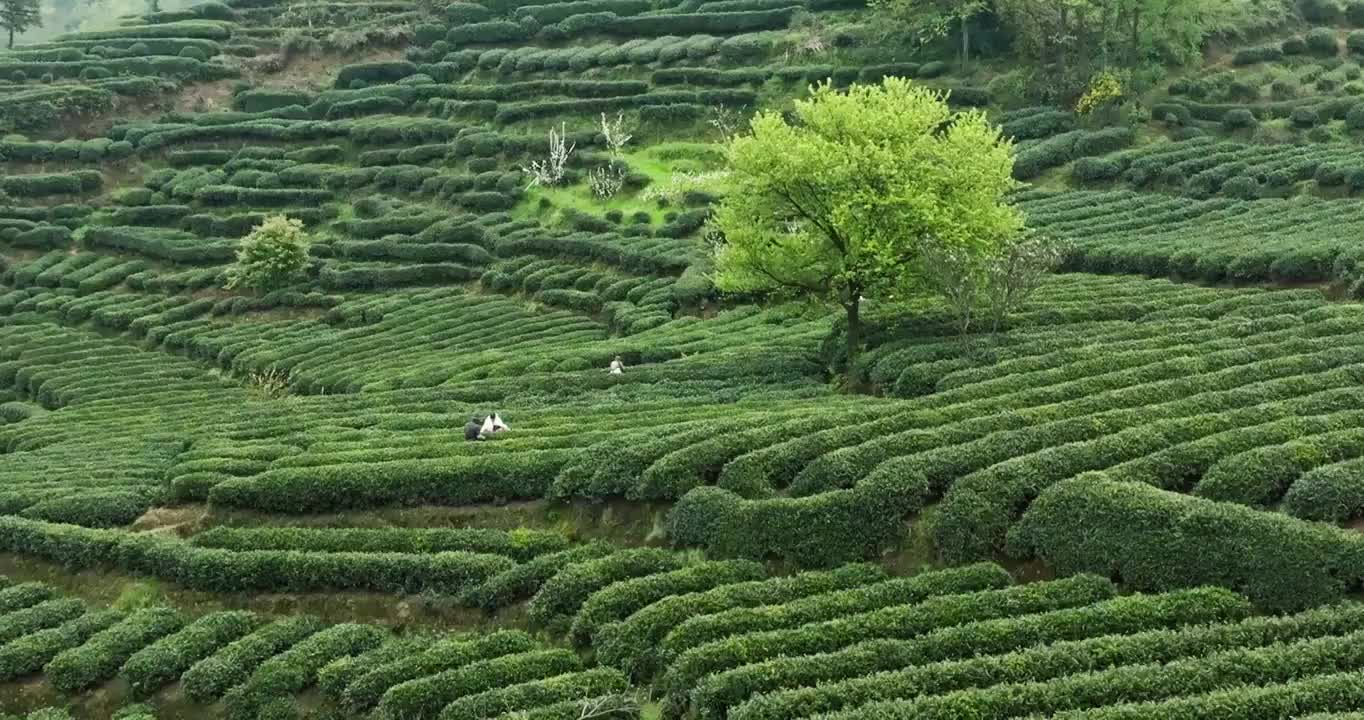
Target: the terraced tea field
(1140, 498)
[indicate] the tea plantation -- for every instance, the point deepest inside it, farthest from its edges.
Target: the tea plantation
(1140, 496)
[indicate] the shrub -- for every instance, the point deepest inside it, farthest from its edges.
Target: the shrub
(1333, 493)
(524, 580)
(1261, 554)
(1242, 187)
(631, 644)
(365, 692)
(97, 509)
(1304, 117)
(466, 13)
(336, 675)
(296, 668)
(1139, 627)
(1038, 125)
(903, 621)
(25, 186)
(31, 652)
(521, 545)
(619, 600)
(933, 69)
(1354, 42)
(727, 23)
(1354, 117)
(536, 694)
(263, 100)
(494, 31)
(566, 591)
(162, 662)
(18, 597)
(102, 655)
(1239, 119)
(46, 614)
(274, 254)
(1322, 41)
(209, 678)
(1171, 113)
(423, 698)
(376, 72)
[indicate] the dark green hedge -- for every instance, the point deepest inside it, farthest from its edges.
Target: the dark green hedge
(161, 663)
(100, 657)
(369, 688)
(209, 678)
(1133, 627)
(1154, 539)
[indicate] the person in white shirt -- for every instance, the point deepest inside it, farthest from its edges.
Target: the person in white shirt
(617, 367)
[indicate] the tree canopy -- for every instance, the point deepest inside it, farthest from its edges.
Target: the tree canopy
(843, 202)
(16, 16)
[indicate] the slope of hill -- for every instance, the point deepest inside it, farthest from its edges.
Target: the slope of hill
(1140, 498)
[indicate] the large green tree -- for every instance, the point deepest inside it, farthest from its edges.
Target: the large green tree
(842, 202)
(16, 16)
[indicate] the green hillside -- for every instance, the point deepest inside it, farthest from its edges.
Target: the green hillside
(1139, 496)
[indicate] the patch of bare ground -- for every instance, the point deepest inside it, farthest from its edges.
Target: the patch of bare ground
(312, 71)
(215, 96)
(180, 521)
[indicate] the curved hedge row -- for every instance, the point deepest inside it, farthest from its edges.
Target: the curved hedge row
(631, 644)
(1280, 562)
(32, 652)
(424, 698)
(524, 580)
(882, 669)
(525, 696)
(896, 621)
(520, 545)
(367, 690)
(208, 679)
(619, 600)
(564, 594)
(1135, 683)
(15, 624)
(165, 660)
(296, 668)
(732, 622)
(226, 571)
(100, 657)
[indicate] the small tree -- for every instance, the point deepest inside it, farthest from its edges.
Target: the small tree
(16, 16)
(1015, 273)
(843, 203)
(550, 171)
(614, 133)
(960, 278)
(926, 21)
(274, 254)
(606, 181)
(994, 285)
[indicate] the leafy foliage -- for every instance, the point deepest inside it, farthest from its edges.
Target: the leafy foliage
(272, 255)
(845, 203)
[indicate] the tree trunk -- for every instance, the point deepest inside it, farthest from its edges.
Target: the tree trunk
(1065, 26)
(1136, 34)
(965, 42)
(1103, 36)
(852, 307)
